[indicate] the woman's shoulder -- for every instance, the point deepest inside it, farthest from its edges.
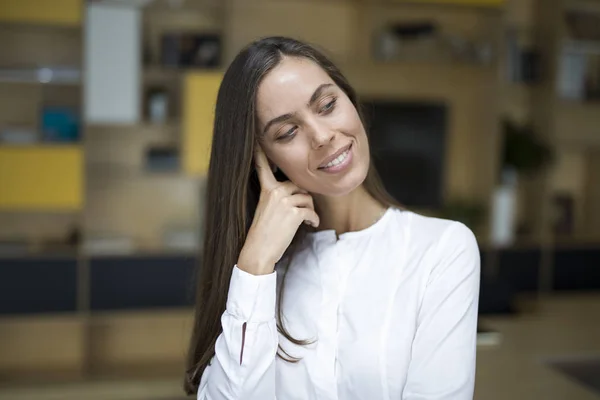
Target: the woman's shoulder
(430, 233)
(440, 247)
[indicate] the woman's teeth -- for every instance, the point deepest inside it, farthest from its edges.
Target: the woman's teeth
(338, 160)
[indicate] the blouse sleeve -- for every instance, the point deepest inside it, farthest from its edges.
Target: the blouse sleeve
(443, 355)
(244, 363)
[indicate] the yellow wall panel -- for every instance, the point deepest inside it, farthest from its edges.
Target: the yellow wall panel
(41, 178)
(200, 95)
(51, 12)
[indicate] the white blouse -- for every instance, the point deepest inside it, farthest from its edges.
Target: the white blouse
(391, 313)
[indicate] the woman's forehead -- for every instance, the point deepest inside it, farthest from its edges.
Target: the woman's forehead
(291, 83)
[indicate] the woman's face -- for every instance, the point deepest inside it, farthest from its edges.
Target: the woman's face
(310, 130)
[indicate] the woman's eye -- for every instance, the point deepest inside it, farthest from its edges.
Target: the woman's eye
(288, 134)
(329, 106)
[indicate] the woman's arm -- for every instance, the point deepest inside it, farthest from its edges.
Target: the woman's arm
(442, 363)
(244, 363)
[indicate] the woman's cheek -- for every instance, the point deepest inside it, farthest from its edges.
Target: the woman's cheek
(291, 170)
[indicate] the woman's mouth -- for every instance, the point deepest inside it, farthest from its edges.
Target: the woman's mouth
(340, 162)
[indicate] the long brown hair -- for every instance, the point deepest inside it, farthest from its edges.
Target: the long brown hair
(233, 189)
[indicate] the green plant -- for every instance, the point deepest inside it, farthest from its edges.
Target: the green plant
(523, 150)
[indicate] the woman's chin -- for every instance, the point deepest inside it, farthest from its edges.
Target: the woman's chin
(342, 186)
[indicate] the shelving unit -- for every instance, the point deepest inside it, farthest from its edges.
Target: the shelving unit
(571, 129)
(577, 122)
(39, 68)
(120, 198)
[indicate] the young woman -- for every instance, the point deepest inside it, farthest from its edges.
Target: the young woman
(314, 284)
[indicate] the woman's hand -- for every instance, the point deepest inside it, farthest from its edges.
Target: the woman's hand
(281, 208)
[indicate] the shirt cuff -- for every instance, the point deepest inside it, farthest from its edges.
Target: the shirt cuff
(252, 298)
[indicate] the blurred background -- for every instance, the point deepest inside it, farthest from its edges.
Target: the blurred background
(483, 111)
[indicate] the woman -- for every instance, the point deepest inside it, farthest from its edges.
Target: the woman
(314, 284)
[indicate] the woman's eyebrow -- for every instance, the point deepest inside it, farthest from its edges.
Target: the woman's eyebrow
(275, 120)
(315, 96)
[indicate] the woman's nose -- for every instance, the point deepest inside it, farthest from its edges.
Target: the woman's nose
(321, 136)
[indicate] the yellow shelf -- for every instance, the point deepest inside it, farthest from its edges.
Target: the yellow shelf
(46, 12)
(41, 178)
(199, 99)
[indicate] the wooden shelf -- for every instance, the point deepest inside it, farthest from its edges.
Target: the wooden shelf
(35, 254)
(587, 47)
(577, 123)
(593, 106)
(171, 124)
(583, 5)
(43, 75)
(102, 171)
(141, 252)
(447, 65)
(161, 75)
(576, 241)
(41, 146)
(138, 252)
(470, 3)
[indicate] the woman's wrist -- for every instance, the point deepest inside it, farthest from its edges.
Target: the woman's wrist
(250, 262)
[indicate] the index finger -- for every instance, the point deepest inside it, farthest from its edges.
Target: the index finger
(263, 169)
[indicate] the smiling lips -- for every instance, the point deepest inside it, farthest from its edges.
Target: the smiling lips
(337, 160)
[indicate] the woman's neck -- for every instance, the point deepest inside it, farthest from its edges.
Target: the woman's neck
(353, 212)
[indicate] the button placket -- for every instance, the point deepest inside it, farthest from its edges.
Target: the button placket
(327, 341)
